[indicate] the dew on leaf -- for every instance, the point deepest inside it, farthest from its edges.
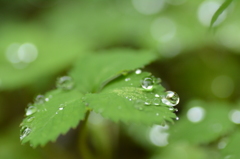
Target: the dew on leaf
(40, 99)
(138, 71)
(156, 101)
(147, 102)
(147, 83)
(171, 98)
(31, 110)
(157, 114)
(65, 83)
(171, 109)
(177, 118)
(157, 95)
(24, 132)
(30, 119)
(127, 79)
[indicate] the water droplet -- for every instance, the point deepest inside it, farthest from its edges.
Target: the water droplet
(177, 118)
(61, 107)
(24, 132)
(176, 109)
(156, 101)
(147, 83)
(138, 71)
(171, 99)
(31, 110)
(157, 95)
(65, 83)
(40, 99)
(157, 114)
(127, 79)
(130, 99)
(196, 114)
(46, 99)
(30, 119)
(171, 109)
(147, 102)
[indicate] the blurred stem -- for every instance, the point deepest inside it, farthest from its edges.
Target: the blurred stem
(83, 143)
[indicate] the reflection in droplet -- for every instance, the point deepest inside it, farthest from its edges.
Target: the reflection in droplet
(27, 52)
(147, 83)
(234, 116)
(222, 86)
(148, 7)
(138, 71)
(24, 132)
(196, 114)
(171, 98)
(158, 135)
(207, 9)
(31, 110)
(163, 29)
(65, 83)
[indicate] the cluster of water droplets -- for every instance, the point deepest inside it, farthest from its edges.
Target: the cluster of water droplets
(148, 84)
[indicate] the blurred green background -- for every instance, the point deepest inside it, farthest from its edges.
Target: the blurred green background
(40, 39)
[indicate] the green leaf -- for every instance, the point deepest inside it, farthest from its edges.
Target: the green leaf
(213, 124)
(232, 147)
(219, 11)
(124, 100)
(93, 71)
(61, 111)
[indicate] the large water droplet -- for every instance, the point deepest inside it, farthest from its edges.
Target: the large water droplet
(196, 114)
(65, 83)
(156, 101)
(147, 83)
(147, 102)
(171, 98)
(40, 99)
(138, 71)
(31, 110)
(24, 132)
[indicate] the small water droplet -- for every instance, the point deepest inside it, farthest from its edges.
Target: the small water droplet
(30, 119)
(130, 99)
(176, 109)
(147, 83)
(127, 79)
(156, 101)
(138, 71)
(157, 114)
(61, 107)
(171, 109)
(147, 102)
(177, 118)
(157, 95)
(24, 132)
(65, 83)
(171, 98)
(40, 99)
(46, 99)
(31, 110)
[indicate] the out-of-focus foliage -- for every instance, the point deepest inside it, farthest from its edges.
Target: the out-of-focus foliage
(40, 40)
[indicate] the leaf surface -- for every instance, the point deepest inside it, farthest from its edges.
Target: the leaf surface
(61, 111)
(124, 100)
